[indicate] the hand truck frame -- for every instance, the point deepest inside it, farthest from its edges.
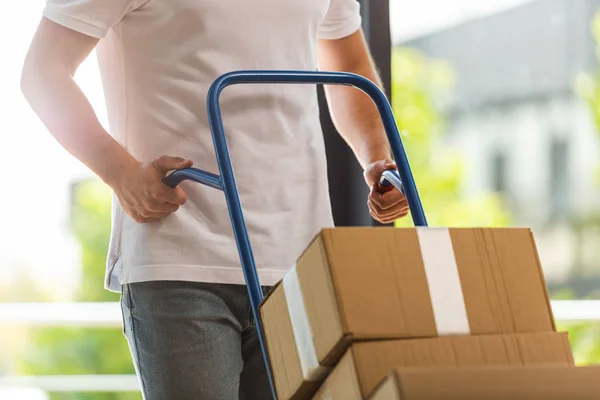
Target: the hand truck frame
(226, 180)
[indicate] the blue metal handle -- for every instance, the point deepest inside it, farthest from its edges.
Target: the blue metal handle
(391, 178)
(226, 181)
(196, 175)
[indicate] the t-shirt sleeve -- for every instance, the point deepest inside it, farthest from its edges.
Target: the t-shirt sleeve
(90, 17)
(341, 20)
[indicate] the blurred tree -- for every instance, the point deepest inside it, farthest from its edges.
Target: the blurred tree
(91, 224)
(419, 85)
(585, 341)
(587, 84)
(83, 350)
(585, 337)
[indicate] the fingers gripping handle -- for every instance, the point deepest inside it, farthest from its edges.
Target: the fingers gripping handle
(391, 178)
(196, 175)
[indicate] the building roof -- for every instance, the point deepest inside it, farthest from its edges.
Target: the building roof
(532, 50)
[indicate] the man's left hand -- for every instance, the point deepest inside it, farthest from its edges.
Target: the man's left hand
(385, 204)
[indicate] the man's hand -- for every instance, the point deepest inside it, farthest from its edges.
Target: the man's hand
(385, 204)
(144, 195)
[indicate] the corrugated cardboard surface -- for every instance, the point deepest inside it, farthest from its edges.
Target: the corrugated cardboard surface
(370, 283)
(366, 363)
(342, 383)
(323, 314)
(502, 280)
(283, 354)
(382, 290)
(492, 383)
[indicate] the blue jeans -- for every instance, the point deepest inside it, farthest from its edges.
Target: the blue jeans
(193, 340)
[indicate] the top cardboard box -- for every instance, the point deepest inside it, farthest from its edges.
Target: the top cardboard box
(384, 283)
(492, 383)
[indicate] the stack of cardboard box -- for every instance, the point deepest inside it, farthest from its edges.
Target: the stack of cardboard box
(362, 301)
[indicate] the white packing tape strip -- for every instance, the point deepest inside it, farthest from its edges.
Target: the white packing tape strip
(309, 361)
(446, 293)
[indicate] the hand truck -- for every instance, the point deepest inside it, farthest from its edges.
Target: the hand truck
(403, 180)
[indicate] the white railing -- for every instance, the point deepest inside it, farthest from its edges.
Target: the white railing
(576, 310)
(93, 315)
(73, 383)
(108, 315)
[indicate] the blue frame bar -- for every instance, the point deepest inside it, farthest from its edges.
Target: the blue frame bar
(226, 181)
(196, 175)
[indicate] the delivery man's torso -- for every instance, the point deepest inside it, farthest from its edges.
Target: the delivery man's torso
(157, 65)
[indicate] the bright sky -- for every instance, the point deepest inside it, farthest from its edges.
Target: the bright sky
(37, 172)
(410, 18)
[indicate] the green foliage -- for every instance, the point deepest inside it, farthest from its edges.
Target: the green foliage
(76, 350)
(584, 341)
(418, 82)
(585, 337)
(90, 223)
(79, 351)
(587, 84)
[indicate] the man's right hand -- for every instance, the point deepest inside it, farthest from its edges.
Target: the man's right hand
(142, 192)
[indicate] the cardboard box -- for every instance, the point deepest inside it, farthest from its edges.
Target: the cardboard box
(383, 283)
(365, 364)
(492, 383)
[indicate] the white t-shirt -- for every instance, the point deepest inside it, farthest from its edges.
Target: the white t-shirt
(157, 60)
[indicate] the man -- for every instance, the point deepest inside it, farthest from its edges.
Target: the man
(172, 254)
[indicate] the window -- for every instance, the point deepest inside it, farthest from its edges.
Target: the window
(558, 184)
(499, 172)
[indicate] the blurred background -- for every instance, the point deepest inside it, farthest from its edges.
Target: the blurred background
(498, 103)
